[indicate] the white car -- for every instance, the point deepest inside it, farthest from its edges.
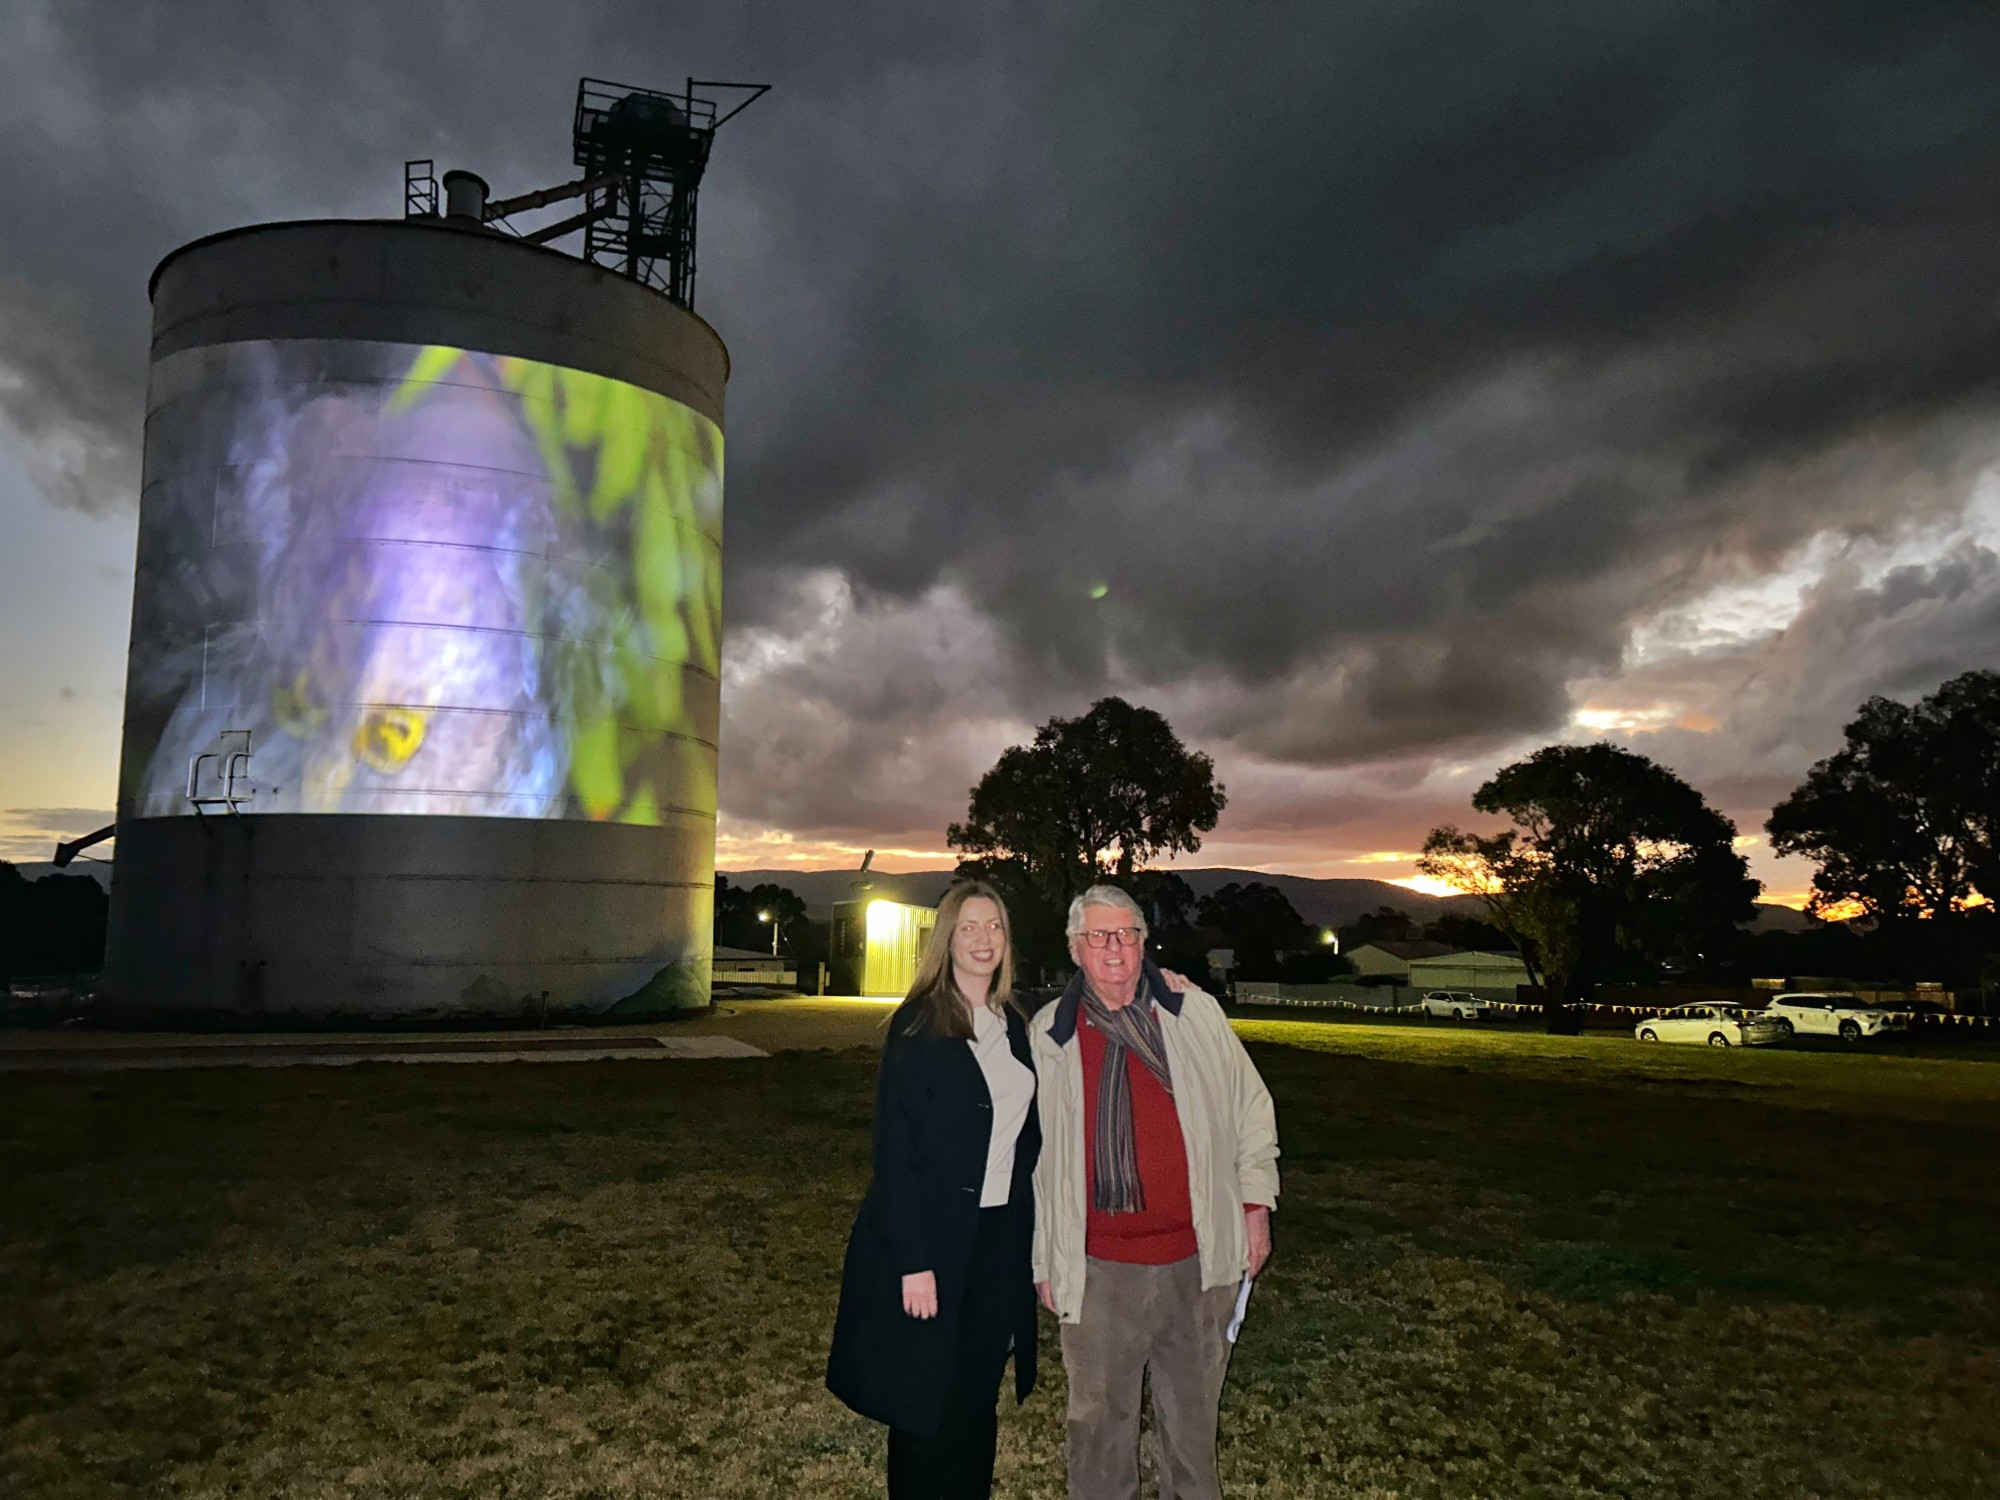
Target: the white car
(1456, 1005)
(1820, 1014)
(1717, 1025)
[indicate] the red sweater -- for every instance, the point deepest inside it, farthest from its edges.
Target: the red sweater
(1163, 1232)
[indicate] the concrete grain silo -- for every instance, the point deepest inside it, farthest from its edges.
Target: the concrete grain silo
(422, 700)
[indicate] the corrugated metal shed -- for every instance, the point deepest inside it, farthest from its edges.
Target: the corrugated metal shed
(1468, 971)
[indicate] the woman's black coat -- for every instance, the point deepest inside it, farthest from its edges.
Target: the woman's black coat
(933, 1122)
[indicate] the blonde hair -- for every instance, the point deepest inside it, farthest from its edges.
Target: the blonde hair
(941, 1009)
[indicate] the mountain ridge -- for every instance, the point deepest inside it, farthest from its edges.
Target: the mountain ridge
(1322, 902)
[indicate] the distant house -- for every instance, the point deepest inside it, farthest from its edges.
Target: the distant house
(1389, 962)
(1469, 971)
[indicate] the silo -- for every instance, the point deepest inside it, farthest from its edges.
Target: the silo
(422, 700)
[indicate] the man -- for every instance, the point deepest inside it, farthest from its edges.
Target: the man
(1153, 1199)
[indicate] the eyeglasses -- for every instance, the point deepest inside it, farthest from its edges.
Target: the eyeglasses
(1110, 937)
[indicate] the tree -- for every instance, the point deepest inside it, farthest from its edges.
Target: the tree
(1904, 820)
(1611, 856)
(1258, 922)
(1168, 901)
(1170, 906)
(1092, 797)
(1383, 925)
(54, 925)
(1466, 934)
(743, 918)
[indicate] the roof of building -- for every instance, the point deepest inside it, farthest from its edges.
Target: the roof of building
(744, 955)
(1473, 959)
(1406, 951)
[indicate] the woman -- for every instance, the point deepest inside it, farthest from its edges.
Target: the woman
(936, 1289)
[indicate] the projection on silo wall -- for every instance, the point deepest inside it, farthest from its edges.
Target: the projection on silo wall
(427, 580)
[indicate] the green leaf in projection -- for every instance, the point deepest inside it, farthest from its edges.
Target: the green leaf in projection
(583, 399)
(594, 771)
(644, 809)
(621, 451)
(432, 364)
(635, 481)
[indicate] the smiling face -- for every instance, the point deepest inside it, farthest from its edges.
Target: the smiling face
(1113, 970)
(978, 943)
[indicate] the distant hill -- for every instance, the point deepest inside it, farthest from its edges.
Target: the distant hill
(1335, 903)
(820, 889)
(1772, 917)
(1323, 903)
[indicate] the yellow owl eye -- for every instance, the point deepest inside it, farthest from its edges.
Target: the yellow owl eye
(388, 737)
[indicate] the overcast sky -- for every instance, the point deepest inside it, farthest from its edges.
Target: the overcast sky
(1416, 383)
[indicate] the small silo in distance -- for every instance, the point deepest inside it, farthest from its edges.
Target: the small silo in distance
(423, 692)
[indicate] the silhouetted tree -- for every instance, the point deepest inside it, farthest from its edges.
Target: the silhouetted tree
(1169, 903)
(738, 911)
(1258, 922)
(1383, 925)
(1610, 853)
(54, 925)
(1904, 820)
(1091, 797)
(1467, 934)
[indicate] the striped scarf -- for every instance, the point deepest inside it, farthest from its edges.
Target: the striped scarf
(1134, 1028)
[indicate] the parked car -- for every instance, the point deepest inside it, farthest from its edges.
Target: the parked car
(1830, 1015)
(1456, 1005)
(1913, 1012)
(1717, 1025)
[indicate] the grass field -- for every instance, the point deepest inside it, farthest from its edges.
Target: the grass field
(1509, 1265)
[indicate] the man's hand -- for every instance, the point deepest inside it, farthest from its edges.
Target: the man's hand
(920, 1292)
(1257, 1225)
(1047, 1295)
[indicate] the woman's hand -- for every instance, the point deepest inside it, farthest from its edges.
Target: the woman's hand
(920, 1294)
(1178, 983)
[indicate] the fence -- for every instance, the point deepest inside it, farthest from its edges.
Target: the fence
(1380, 997)
(1403, 999)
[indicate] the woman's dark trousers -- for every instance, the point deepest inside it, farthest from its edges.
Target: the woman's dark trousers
(957, 1462)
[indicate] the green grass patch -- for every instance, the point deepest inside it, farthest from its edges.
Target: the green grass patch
(1509, 1265)
(1883, 1078)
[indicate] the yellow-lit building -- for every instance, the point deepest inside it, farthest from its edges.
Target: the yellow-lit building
(876, 946)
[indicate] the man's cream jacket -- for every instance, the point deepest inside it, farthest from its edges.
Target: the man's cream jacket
(1227, 1123)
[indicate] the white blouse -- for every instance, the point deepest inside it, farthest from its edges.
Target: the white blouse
(1012, 1085)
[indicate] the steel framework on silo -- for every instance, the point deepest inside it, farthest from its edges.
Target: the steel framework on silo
(646, 150)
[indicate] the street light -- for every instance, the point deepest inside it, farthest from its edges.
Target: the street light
(764, 916)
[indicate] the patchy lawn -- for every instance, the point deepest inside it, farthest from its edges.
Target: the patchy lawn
(1508, 1266)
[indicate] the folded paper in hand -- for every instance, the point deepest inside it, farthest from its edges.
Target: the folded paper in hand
(1242, 1306)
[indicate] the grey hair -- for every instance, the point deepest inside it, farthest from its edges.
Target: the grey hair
(1105, 895)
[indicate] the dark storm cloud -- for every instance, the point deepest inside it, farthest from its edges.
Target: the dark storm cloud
(1383, 363)
(1414, 353)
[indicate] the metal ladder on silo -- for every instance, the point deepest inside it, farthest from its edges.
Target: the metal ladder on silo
(232, 774)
